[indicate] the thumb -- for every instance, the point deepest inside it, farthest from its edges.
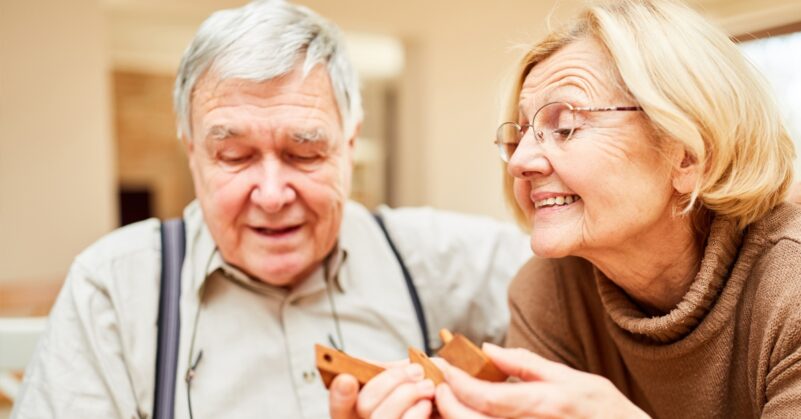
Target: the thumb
(526, 365)
(342, 397)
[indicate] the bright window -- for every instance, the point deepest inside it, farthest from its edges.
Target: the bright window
(779, 59)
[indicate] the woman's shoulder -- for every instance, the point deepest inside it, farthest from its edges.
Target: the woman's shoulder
(774, 283)
(773, 290)
(781, 224)
(778, 244)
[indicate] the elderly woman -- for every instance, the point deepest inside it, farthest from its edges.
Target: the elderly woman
(650, 165)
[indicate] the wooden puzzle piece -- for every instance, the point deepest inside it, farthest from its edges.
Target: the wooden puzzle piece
(331, 362)
(461, 353)
(431, 371)
(457, 350)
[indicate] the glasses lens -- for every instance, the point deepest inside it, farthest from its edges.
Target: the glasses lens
(554, 121)
(508, 136)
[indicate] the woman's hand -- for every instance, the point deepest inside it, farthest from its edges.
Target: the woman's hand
(398, 392)
(548, 389)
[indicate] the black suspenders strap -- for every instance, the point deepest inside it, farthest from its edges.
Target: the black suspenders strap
(418, 307)
(173, 244)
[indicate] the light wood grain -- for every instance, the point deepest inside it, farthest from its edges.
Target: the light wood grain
(331, 362)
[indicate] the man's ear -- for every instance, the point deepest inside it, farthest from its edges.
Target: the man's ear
(187, 143)
(686, 171)
(189, 148)
(352, 140)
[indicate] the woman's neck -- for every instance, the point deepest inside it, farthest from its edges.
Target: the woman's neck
(657, 268)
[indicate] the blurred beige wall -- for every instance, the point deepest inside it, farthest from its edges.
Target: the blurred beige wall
(57, 170)
(57, 191)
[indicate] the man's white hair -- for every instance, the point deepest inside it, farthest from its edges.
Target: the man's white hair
(261, 41)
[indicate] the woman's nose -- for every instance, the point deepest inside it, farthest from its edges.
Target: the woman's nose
(529, 158)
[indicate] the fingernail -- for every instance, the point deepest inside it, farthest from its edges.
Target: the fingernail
(414, 371)
(344, 389)
(425, 386)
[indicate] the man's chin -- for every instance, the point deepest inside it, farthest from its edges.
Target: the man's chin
(284, 274)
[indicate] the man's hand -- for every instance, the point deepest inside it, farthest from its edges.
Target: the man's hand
(398, 392)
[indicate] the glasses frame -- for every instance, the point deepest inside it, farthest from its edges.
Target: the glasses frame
(522, 129)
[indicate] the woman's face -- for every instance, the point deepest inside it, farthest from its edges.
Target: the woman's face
(609, 185)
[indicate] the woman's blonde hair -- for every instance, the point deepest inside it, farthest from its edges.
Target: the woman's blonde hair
(695, 87)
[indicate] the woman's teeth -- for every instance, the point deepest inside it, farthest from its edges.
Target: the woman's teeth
(559, 200)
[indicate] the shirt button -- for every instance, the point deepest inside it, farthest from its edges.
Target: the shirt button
(310, 376)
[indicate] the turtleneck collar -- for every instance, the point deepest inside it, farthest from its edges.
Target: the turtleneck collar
(719, 257)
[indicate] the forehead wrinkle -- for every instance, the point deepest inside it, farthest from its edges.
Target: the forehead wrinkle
(581, 64)
(584, 80)
(554, 91)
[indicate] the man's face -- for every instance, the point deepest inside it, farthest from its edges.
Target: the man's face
(271, 171)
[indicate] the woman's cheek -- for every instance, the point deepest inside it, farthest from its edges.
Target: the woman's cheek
(522, 192)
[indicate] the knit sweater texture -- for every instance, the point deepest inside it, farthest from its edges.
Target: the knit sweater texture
(730, 348)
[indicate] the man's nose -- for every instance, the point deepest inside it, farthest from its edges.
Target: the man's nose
(273, 190)
(529, 158)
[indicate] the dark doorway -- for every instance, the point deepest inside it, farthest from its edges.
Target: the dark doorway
(135, 205)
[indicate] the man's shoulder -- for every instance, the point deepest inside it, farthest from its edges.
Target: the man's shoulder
(140, 239)
(427, 225)
(424, 218)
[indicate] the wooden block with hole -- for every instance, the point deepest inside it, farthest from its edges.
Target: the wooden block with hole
(429, 369)
(461, 353)
(331, 362)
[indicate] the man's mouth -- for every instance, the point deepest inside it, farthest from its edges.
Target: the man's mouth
(277, 232)
(556, 201)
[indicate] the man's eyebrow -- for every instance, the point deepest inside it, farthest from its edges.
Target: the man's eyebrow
(220, 132)
(310, 136)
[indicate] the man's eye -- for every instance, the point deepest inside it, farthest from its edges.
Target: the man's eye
(234, 158)
(303, 159)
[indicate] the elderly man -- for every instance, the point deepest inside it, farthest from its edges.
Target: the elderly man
(276, 258)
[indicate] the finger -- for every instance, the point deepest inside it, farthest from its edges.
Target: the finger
(526, 365)
(391, 364)
(421, 410)
(377, 389)
(342, 397)
(449, 405)
(403, 398)
(395, 364)
(441, 363)
(500, 399)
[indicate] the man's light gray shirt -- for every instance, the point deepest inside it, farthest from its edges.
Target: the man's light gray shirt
(97, 356)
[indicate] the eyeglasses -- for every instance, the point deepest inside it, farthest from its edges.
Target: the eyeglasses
(556, 121)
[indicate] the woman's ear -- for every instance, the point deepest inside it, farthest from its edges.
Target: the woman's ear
(686, 172)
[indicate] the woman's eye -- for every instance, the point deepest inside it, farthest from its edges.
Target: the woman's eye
(562, 134)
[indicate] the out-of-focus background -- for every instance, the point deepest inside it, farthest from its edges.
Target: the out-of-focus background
(87, 138)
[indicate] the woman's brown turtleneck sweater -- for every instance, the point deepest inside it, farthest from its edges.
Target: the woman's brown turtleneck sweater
(730, 348)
